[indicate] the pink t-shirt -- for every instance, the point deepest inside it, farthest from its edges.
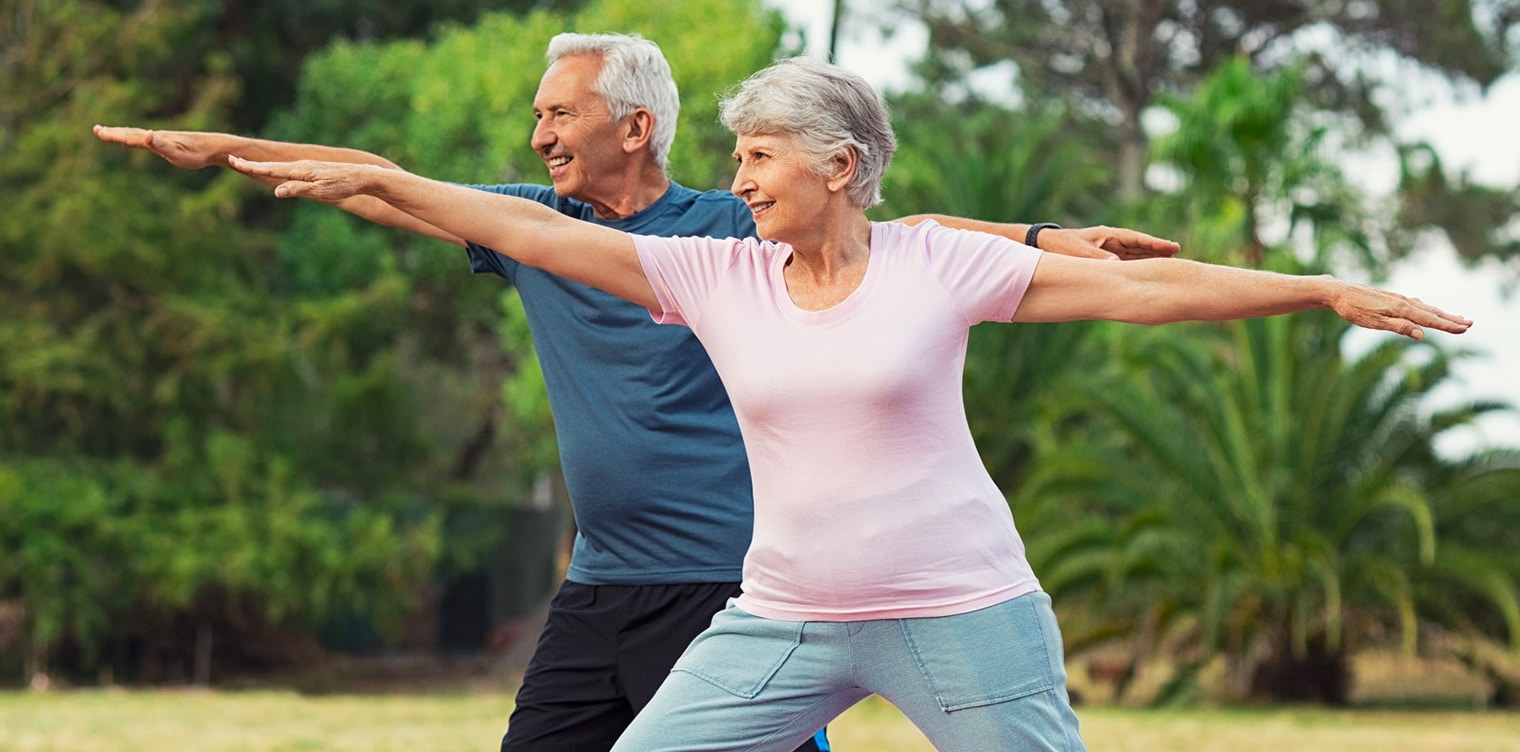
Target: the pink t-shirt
(870, 499)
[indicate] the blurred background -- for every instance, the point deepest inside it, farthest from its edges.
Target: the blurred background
(242, 439)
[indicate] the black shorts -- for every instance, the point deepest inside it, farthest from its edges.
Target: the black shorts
(603, 653)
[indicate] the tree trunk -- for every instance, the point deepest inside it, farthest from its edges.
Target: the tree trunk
(835, 24)
(1321, 675)
(202, 671)
(1133, 155)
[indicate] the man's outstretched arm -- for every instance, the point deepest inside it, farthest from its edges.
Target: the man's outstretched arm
(196, 150)
(1097, 242)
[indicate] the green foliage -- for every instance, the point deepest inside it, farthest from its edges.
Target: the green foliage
(1120, 59)
(1245, 152)
(461, 107)
(1264, 499)
(266, 41)
(1476, 218)
(1472, 584)
(88, 544)
(1118, 54)
(198, 418)
(986, 162)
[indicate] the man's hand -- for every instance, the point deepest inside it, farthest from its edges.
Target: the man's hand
(1107, 243)
(187, 149)
(1104, 243)
(329, 182)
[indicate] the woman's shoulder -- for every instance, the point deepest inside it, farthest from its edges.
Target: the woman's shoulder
(900, 238)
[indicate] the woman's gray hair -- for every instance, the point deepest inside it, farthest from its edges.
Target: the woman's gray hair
(824, 109)
(634, 74)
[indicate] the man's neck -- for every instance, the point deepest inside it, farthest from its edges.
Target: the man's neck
(626, 195)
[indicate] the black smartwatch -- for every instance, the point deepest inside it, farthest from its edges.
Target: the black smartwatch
(1034, 232)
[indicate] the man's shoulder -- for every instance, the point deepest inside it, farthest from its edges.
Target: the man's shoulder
(712, 213)
(543, 194)
(719, 198)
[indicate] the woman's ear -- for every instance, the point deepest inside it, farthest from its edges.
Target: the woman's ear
(843, 165)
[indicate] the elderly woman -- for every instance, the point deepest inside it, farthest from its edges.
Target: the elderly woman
(884, 558)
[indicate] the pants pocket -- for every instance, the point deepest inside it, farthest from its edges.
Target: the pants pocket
(993, 655)
(740, 653)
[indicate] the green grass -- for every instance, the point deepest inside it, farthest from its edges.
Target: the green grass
(192, 721)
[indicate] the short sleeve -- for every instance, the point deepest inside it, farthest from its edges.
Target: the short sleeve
(986, 275)
(683, 272)
(485, 260)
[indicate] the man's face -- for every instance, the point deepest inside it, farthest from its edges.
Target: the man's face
(576, 135)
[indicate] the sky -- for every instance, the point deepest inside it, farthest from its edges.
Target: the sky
(1471, 132)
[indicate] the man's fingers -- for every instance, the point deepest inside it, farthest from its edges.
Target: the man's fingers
(1138, 243)
(1090, 251)
(1130, 244)
(1075, 244)
(134, 137)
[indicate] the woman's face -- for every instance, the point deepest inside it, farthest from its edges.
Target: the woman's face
(780, 185)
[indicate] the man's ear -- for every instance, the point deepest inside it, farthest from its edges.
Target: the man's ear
(638, 128)
(842, 168)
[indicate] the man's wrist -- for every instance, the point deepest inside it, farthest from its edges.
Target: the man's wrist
(1032, 236)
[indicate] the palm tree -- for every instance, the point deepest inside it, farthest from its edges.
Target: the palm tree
(1264, 499)
(1469, 593)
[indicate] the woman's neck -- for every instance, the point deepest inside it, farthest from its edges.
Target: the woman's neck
(827, 266)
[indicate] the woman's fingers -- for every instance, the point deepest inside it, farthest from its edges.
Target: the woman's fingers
(266, 169)
(322, 181)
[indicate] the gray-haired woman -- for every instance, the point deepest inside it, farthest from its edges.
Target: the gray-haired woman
(884, 560)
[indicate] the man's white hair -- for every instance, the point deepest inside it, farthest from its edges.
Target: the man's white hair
(634, 74)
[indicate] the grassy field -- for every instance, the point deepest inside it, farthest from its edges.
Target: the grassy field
(193, 721)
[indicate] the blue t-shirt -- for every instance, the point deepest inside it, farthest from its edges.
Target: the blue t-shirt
(648, 442)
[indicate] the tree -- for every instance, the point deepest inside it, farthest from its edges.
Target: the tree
(1468, 595)
(147, 486)
(1115, 56)
(1246, 153)
(1268, 501)
(1476, 218)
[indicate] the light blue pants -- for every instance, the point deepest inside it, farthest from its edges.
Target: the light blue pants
(987, 681)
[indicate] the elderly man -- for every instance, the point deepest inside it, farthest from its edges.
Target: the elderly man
(649, 444)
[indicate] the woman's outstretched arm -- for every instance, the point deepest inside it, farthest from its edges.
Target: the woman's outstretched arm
(1160, 291)
(529, 232)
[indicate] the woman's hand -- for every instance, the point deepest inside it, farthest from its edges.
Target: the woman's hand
(1372, 308)
(327, 182)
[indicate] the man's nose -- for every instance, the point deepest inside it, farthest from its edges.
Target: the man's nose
(542, 135)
